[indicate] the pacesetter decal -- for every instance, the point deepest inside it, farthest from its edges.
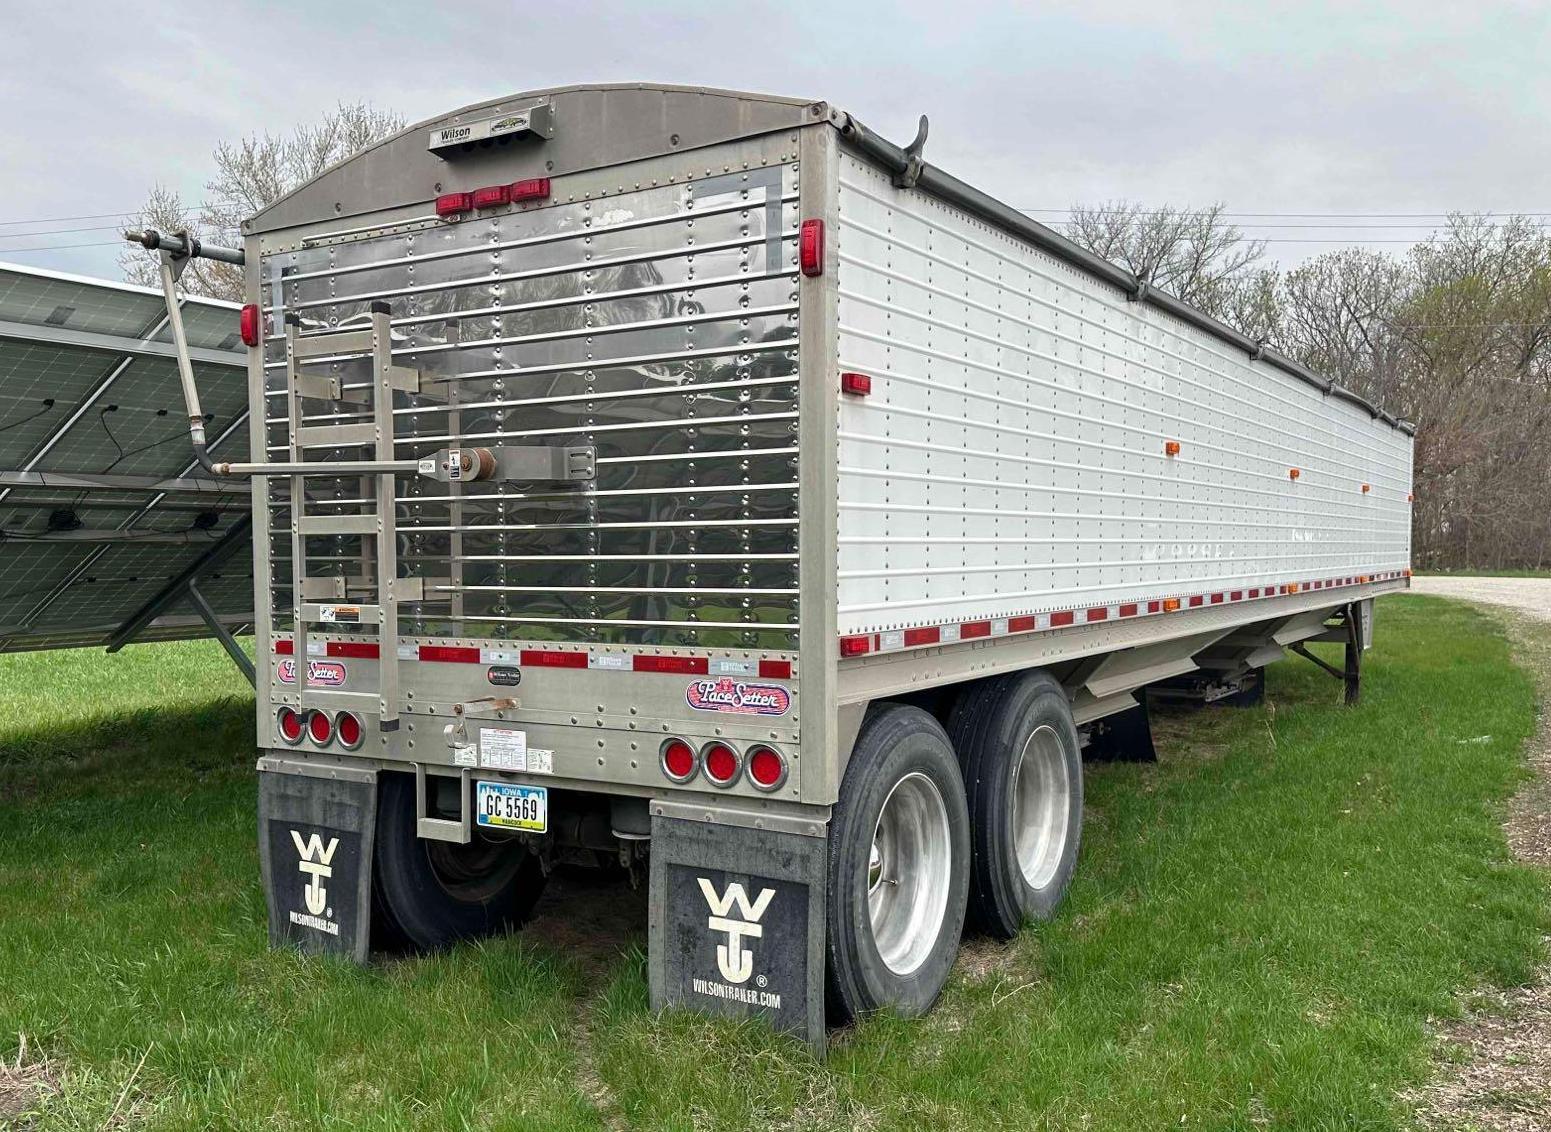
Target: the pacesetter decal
(738, 697)
(327, 673)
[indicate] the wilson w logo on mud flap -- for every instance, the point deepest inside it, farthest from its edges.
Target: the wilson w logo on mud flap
(735, 961)
(315, 862)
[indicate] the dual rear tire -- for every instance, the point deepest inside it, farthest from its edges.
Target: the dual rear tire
(980, 820)
(427, 895)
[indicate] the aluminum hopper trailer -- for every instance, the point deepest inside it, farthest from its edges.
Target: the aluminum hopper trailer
(696, 482)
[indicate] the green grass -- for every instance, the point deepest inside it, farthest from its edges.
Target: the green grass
(1260, 927)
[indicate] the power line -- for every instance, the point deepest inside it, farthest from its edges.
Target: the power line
(62, 247)
(136, 210)
(57, 231)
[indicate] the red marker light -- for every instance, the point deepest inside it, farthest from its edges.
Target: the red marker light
(248, 325)
(810, 247)
(856, 384)
(451, 204)
(492, 196)
(534, 188)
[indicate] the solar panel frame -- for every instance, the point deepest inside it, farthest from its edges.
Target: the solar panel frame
(88, 387)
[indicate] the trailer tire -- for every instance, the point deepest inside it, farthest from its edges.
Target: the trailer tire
(434, 893)
(891, 940)
(1025, 831)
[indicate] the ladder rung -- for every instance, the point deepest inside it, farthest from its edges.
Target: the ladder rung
(339, 524)
(335, 614)
(334, 342)
(336, 436)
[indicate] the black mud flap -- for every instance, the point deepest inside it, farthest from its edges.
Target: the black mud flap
(737, 923)
(1125, 736)
(315, 848)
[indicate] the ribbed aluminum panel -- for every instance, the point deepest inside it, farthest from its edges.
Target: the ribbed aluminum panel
(659, 325)
(1010, 458)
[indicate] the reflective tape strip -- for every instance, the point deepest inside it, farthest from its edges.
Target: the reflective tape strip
(768, 668)
(923, 636)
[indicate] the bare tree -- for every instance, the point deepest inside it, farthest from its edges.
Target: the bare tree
(250, 175)
(1194, 254)
(1339, 314)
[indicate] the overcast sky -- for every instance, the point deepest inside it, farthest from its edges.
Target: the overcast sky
(1417, 107)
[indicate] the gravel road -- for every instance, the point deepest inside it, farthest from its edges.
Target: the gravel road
(1531, 596)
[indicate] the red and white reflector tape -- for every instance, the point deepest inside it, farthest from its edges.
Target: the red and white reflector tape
(766, 668)
(924, 636)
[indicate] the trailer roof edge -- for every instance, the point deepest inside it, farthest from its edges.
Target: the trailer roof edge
(934, 181)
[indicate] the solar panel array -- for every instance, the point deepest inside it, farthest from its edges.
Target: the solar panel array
(103, 509)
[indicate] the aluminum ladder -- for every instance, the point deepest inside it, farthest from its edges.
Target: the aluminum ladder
(326, 599)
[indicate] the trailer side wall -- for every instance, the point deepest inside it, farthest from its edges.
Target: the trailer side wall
(1011, 457)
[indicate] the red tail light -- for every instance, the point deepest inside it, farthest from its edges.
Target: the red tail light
(721, 764)
(451, 204)
(767, 769)
(678, 760)
(349, 730)
(320, 728)
(248, 325)
(534, 188)
(810, 247)
(290, 725)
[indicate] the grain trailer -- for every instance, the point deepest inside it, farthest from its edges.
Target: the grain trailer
(696, 482)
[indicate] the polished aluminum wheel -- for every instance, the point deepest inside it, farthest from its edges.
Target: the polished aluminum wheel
(908, 873)
(1041, 806)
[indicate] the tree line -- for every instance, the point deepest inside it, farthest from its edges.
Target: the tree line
(1454, 334)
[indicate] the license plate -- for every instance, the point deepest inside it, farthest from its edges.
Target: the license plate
(502, 805)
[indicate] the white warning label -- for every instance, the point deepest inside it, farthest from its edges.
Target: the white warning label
(503, 748)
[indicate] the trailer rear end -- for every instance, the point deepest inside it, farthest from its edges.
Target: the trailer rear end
(695, 484)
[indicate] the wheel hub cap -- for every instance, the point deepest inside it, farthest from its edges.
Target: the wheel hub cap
(1041, 807)
(909, 871)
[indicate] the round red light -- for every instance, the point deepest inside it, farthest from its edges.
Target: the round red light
(290, 725)
(319, 727)
(721, 765)
(766, 768)
(678, 760)
(348, 727)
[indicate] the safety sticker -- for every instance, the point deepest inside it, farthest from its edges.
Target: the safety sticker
(503, 748)
(727, 694)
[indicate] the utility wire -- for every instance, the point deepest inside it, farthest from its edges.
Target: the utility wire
(61, 247)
